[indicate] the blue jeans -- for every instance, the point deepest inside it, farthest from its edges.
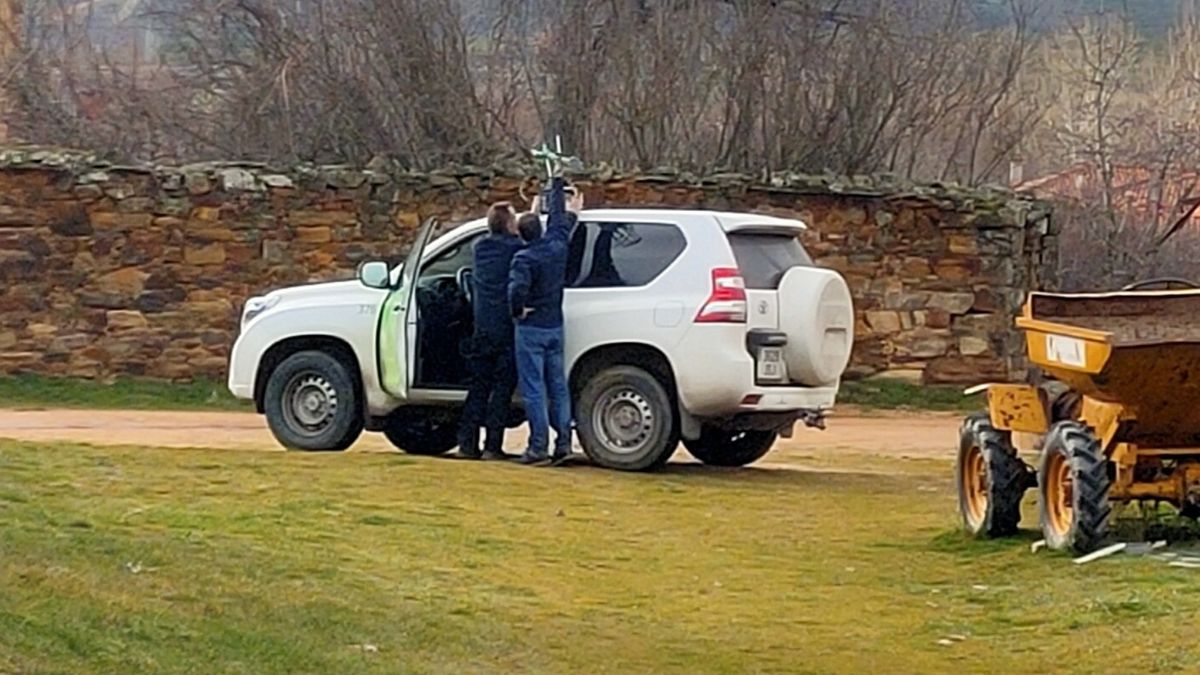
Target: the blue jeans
(543, 380)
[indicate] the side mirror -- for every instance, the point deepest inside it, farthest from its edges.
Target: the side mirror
(375, 274)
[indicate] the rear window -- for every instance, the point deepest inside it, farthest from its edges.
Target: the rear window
(765, 258)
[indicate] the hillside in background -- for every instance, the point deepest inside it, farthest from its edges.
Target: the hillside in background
(1152, 17)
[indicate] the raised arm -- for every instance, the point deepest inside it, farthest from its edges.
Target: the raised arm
(559, 221)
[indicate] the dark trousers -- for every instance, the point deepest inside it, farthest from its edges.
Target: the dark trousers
(489, 399)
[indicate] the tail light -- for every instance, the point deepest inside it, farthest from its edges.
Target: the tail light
(727, 302)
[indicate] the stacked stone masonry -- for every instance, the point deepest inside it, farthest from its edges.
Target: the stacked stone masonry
(138, 270)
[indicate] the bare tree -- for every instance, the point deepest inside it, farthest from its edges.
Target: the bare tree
(1125, 118)
(703, 84)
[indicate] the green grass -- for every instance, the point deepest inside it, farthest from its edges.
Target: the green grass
(35, 391)
(887, 394)
(120, 560)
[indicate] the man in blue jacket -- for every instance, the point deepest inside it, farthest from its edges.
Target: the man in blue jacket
(535, 294)
(493, 369)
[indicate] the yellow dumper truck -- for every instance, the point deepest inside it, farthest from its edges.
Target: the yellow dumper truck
(1118, 422)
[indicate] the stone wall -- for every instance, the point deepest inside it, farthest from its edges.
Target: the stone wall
(137, 270)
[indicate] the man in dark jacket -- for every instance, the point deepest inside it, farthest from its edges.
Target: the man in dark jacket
(493, 369)
(535, 294)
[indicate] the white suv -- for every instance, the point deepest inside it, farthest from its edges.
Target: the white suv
(711, 328)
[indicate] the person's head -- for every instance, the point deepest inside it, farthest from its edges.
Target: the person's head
(502, 218)
(530, 227)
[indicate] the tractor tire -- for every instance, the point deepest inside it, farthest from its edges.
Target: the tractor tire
(312, 403)
(1073, 484)
(1065, 403)
(991, 479)
(722, 447)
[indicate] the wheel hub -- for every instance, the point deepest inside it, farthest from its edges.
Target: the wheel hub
(625, 420)
(1060, 496)
(310, 402)
(975, 486)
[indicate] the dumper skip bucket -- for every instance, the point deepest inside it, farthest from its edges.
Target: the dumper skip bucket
(1138, 349)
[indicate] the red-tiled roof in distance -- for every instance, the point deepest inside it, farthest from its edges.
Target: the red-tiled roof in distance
(1140, 194)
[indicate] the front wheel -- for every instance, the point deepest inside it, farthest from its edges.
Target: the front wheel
(626, 420)
(721, 447)
(312, 403)
(1073, 484)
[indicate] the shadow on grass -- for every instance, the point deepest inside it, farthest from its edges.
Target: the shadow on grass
(740, 472)
(760, 475)
(1172, 528)
(958, 542)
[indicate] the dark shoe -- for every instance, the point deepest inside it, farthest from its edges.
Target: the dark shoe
(497, 456)
(468, 446)
(561, 457)
(529, 459)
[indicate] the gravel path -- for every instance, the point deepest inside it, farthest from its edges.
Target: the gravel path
(930, 435)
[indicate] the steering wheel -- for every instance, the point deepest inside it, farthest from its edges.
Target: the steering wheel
(464, 279)
(1165, 282)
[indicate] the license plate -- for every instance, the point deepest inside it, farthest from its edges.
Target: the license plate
(770, 364)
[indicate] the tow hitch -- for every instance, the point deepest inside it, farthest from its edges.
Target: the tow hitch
(813, 419)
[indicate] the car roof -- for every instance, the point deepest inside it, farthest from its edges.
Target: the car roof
(728, 220)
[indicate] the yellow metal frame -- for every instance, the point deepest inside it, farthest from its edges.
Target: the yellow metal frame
(1038, 335)
(1022, 408)
(1017, 407)
(1075, 356)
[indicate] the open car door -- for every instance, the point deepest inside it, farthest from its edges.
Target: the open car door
(398, 320)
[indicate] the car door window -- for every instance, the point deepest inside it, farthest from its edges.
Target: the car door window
(616, 255)
(449, 262)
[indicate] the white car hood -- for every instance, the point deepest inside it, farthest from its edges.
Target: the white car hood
(327, 292)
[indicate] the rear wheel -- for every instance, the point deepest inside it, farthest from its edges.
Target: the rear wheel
(312, 403)
(1073, 487)
(723, 447)
(991, 479)
(626, 420)
(421, 435)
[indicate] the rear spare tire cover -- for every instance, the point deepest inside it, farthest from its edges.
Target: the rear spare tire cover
(817, 313)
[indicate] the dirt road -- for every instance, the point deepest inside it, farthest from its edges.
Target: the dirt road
(929, 435)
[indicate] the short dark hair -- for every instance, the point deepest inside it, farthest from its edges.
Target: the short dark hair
(530, 227)
(500, 217)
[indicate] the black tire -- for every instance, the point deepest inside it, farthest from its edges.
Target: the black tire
(626, 420)
(725, 447)
(1072, 453)
(417, 435)
(312, 402)
(991, 479)
(1064, 403)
